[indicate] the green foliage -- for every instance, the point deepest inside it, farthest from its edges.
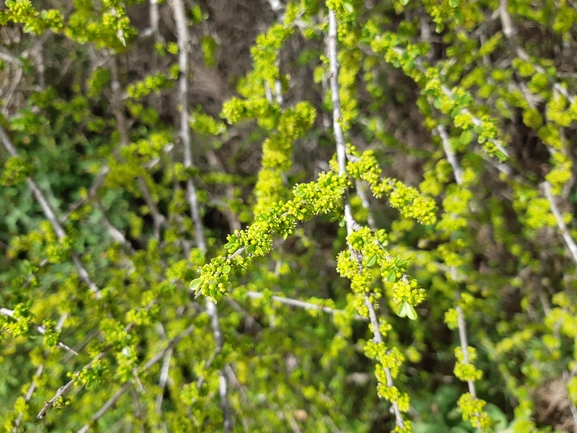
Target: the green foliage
(421, 280)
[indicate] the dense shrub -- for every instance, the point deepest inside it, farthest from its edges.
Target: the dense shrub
(238, 215)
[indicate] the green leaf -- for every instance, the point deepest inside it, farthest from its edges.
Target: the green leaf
(453, 3)
(348, 7)
(466, 137)
(499, 419)
(411, 313)
(401, 309)
(392, 276)
(501, 156)
(404, 2)
(372, 260)
(232, 241)
(458, 16)
(406, 309)
(251, 249)
(195, 284)
(401, 263)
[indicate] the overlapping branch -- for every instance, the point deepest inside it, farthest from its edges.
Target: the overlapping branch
(342, 162)
(183, 62)
(156, 358)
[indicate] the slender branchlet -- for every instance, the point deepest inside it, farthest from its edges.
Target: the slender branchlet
(123, 131)
(126, 386)
(183, 62)
(461, 324)
(342, 163)
(300, 304)
(569, 241)
(40, 370)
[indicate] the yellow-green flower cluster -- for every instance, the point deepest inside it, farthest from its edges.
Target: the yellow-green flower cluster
(277, 154)
(466, 371)
(367, 253)
(265, 51)
(390, 359)
(22, 11)
(152, 83)
(93, 375)
(473, 412)
(20, 322)
(16, 170)
(106, 28)
(406, 199)
(315, 198)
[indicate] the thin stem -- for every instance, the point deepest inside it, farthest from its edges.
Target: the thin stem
(63, 390)
(451, 157)
(156, 358)
(300, 304)
(571, 246)
(183, 62)
(337, 117)
(465, 346)
(461, 324)
(342, 162)
(39, 328)
(37, 375)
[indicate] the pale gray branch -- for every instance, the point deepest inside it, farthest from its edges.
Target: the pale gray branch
(112, 400)
(342, 161)
(183, 62)
(301, 304)
(571, 246)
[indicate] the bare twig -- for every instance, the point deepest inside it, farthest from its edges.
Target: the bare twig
(342, 161)
(451, 157)
(301, 304)
(183, 62)
(63, 390)
(465, 346)
(571, 246)
(39, 328)
(37, 375)
(112, 400)
(461, 324)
